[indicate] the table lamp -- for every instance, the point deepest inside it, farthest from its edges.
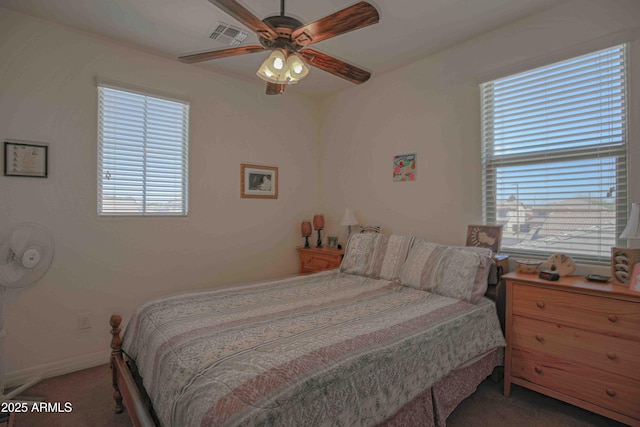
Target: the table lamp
(349, 219)
(632, 230)
(305, 230)
(318, 224)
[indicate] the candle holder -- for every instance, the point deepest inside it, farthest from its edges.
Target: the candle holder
(318, 224)
(305, 230)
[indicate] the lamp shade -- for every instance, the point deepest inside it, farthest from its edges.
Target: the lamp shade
(318, 222)
(632, 230)
(305, 229)
(349, 218)
(274, 68)
(297, 69)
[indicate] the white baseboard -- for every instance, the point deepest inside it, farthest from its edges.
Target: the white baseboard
(54, 369)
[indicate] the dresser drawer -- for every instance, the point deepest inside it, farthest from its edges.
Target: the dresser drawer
(604, 352)
(614, 392)
(597, 314)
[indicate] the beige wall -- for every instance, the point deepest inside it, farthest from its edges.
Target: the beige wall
(48, 93)
(333, 153)
(432, 107)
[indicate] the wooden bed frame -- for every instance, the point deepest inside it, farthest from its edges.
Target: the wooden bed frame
(124, 386)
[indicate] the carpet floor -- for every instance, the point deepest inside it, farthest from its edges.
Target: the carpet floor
(89, 392)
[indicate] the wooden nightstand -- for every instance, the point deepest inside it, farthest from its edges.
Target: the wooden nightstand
(575, 340)
(313, 260)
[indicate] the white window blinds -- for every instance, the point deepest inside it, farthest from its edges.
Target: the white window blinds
(554, 156)
(142, 154)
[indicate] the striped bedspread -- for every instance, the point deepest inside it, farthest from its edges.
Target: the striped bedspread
(325, 349)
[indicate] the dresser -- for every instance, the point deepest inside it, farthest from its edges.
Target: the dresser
(575, 340)
(313, 260)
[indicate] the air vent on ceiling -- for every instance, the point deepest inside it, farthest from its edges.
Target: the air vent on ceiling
(228, 34)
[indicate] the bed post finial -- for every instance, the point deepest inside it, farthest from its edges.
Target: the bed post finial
(116, 352)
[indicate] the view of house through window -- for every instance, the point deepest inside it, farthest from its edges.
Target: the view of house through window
(554, 156)
(142, 154)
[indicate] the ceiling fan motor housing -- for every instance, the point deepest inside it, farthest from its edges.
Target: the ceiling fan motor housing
(283, 25)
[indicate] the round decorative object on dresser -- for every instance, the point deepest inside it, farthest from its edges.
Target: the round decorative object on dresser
(527, 266)
(561, 264)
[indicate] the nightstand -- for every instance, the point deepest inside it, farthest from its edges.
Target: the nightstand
(502, 264)
(575, 341)
(313, 260)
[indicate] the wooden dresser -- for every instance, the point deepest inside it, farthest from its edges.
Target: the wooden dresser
(575, 340)
(313, 260)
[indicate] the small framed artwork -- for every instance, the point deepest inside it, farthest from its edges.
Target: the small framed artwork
(485, 236)
(258, 182)
(405, 167)
(25, 159)
(332, 242)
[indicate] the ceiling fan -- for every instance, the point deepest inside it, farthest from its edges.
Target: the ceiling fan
(288, 39)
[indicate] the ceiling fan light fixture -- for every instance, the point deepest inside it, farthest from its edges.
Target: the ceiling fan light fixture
(274, 68)
(283, 68)
(298, 70)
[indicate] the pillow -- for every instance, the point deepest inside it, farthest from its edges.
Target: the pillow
(379, 256)
(357, 253)
(388, 256)
(450, 271)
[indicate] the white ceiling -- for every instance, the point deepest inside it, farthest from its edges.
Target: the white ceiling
(408, 29)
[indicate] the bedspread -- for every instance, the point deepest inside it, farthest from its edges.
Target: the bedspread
(325, 349)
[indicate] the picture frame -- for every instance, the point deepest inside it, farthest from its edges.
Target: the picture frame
(258, 182)
(635, 279)
(623, 262)
(485, 236)
(332, 242)
(26, 159)
(405, 167)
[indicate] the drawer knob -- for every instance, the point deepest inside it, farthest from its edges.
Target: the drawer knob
(538, 369)
(612, 356)
(539, 338)
(611, 392)
(540, 304)
(613, 318)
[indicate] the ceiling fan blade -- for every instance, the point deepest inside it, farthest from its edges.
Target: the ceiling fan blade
(335, 66)
(275, 88)
(359, 15)
(223, 53)
(247, 18)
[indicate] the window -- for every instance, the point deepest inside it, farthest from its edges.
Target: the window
(142, 153)
(554, 156)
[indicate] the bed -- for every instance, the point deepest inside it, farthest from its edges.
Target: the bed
(399, 335)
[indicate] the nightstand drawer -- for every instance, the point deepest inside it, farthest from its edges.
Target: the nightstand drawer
(313, 260)
(318, 262)
(603, 315)
(611, 354)
(617, 393)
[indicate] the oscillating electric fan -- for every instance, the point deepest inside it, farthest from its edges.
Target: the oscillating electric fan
(24, 259)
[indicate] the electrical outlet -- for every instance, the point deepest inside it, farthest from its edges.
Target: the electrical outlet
(83, 321)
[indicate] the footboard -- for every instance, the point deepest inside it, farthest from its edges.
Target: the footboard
(124, 386)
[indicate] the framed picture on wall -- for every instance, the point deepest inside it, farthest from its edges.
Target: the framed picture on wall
(25, 159)
(485, 236)
(258, 182)
(405, 167)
